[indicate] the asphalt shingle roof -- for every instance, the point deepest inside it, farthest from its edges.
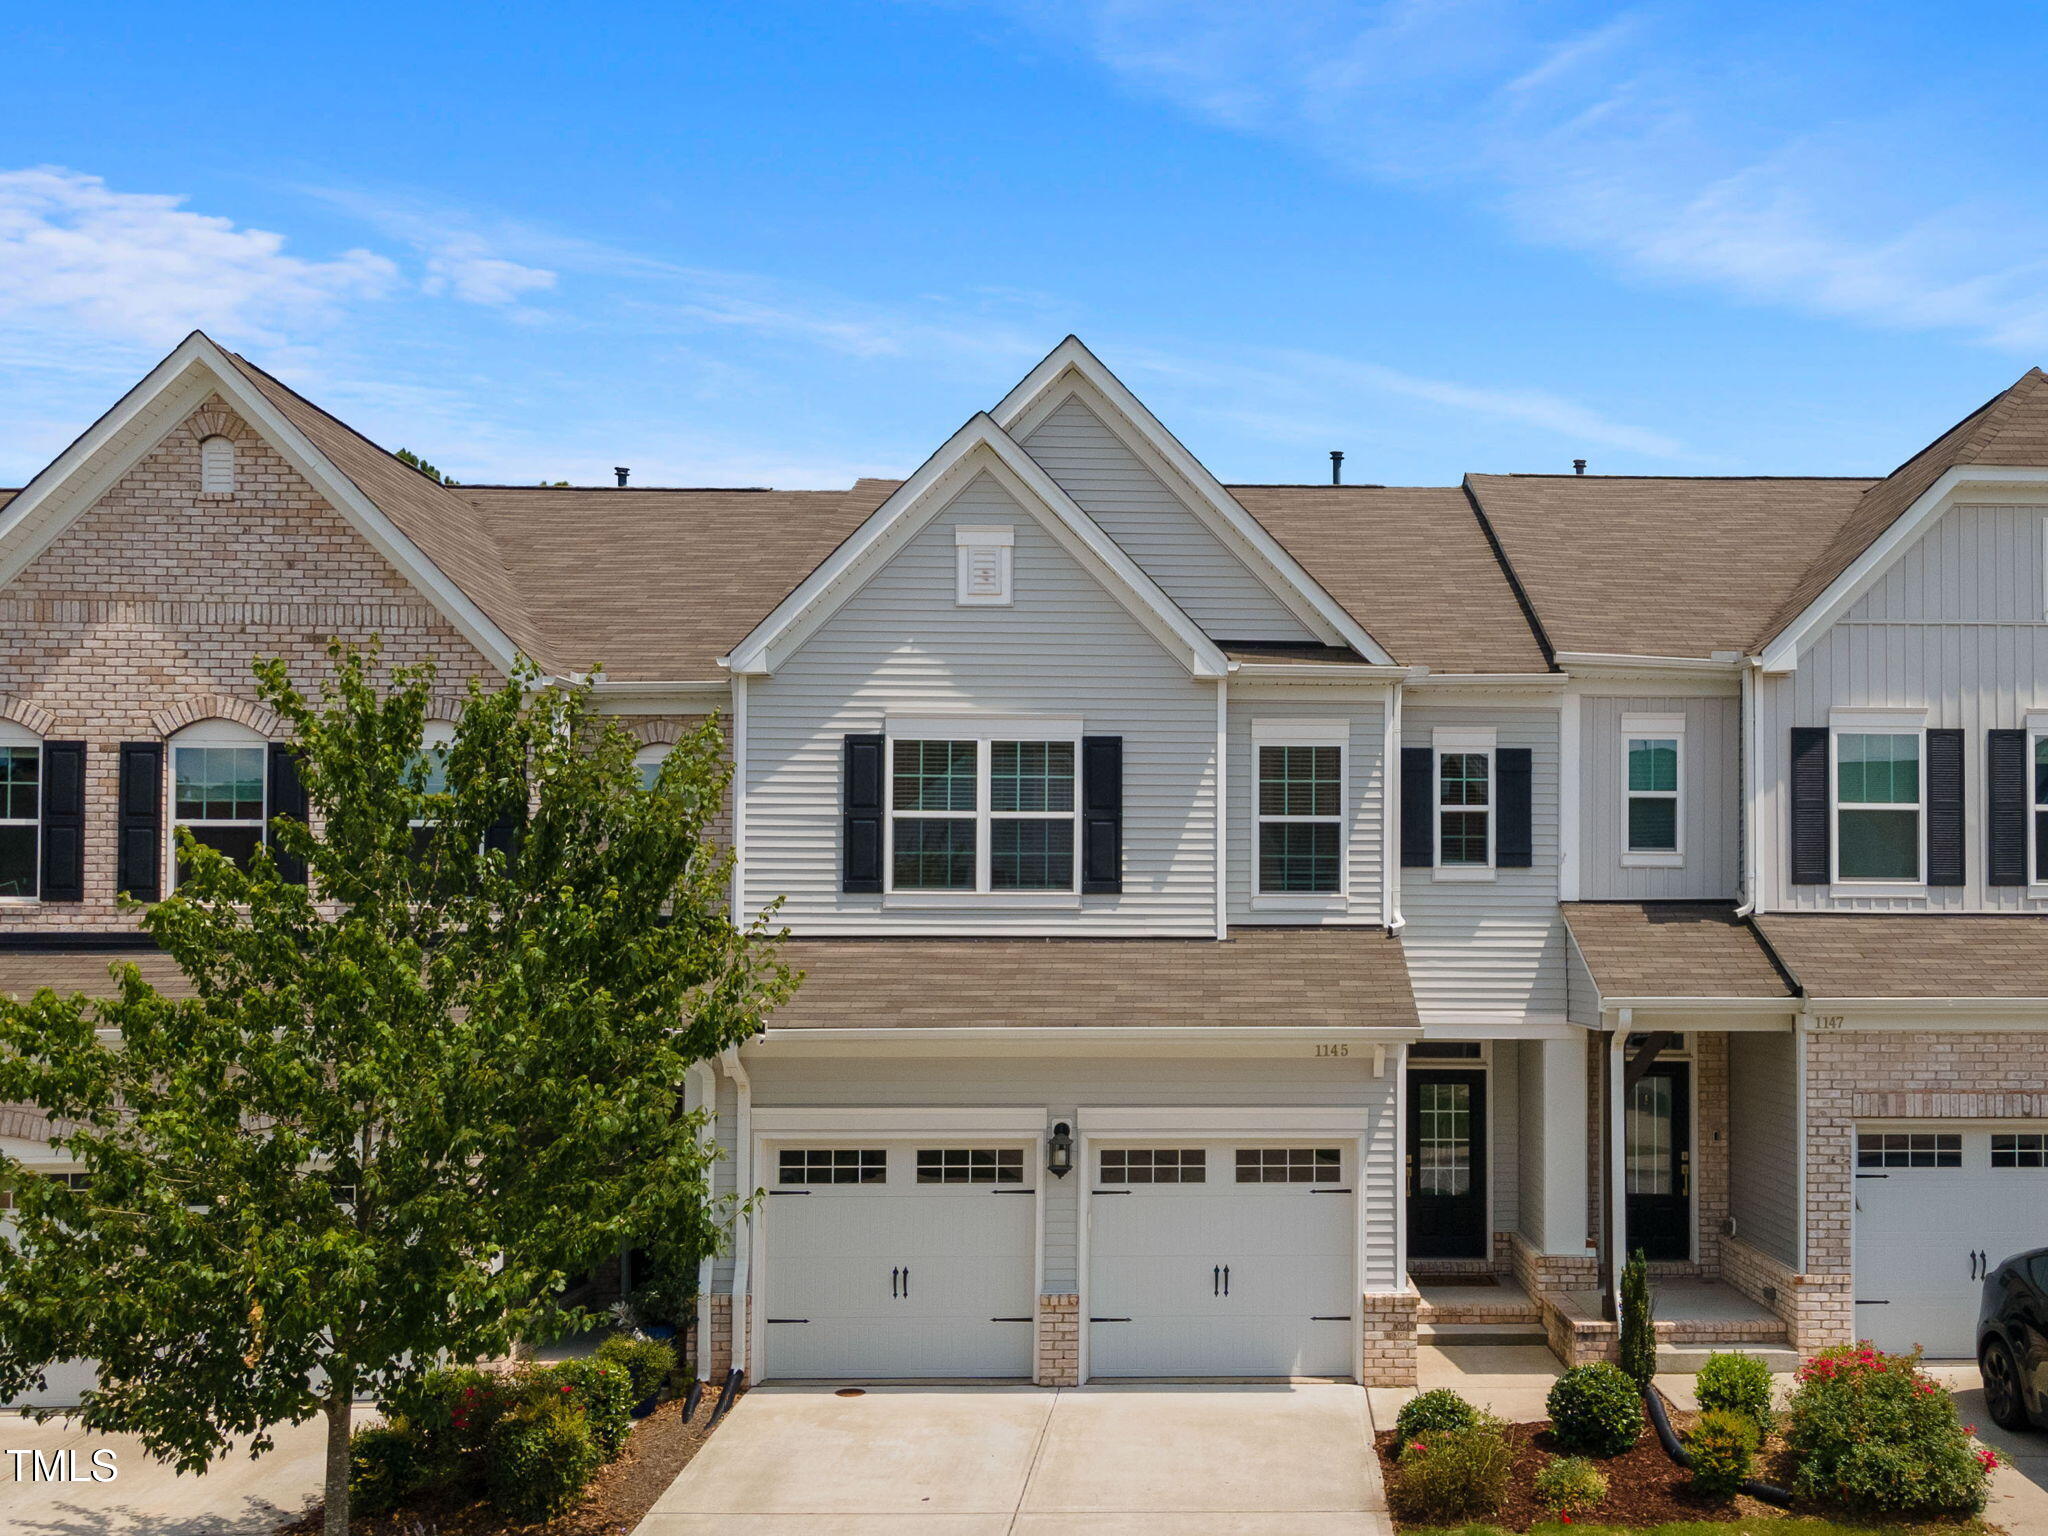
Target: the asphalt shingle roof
(1917, 955)
(1672, 949)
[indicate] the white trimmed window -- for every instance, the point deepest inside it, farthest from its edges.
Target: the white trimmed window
(1465, 801)
(2037, 823)
(648, 760)
(1880, 800)
(984, 807)
(436, 736)
(983, 556)
(220, 788)
(1300, 794)
(21, 809)
(1653, 767)
(217, 466)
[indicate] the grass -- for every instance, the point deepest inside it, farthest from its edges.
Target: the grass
(1766, 1526)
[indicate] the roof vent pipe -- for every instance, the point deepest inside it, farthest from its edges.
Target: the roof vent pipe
(1336, 466)
(1578, 468)
(622, 472)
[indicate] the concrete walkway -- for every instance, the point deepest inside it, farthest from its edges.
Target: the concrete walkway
(1240, 1460)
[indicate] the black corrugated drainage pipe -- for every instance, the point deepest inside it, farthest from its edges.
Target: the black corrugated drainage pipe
(692, 1398)
(726, 1394)
(1770, 1493)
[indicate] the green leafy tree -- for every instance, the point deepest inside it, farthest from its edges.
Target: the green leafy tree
(408, 457)
(404, 1103)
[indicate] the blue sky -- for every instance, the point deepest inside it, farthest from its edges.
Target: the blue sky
(791, 243)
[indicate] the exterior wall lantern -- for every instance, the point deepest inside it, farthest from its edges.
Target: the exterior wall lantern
(1059, 1150)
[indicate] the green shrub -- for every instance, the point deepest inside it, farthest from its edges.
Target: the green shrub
(1439, 1410)
(1638, 1322)
(1873, 1432)
(601, 1391)
(455, 1408)
(540, 1457)
(1723, 1446)
(387, 1464)
(1595, 1410)
(1453, 1475)
(1732, 1383)
(1568, 1485)
(648, 1363)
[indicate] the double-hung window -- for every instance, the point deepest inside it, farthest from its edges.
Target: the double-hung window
(1465, 802)
(219, 774)
(994, 811)
(2040, 803)
(1653, 748)
(1880, 804)
(432, 761)
(1300, 799)
(647, 763)
(21, 809)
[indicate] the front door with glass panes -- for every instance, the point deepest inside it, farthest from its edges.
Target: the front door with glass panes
(1657, 1149)
(1447, 1165)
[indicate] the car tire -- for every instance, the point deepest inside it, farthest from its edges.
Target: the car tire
(2002, 1396)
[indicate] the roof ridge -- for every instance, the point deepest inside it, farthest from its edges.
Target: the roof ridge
(2003, 407)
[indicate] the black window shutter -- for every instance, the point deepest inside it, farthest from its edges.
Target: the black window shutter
(140, 856)
(860, 793)
(63, 872)
(1947, 860)
(1418, 834)
(2005, 757)
(1102, 815)
(1809, 772)
(1514, 837)
(287, 798)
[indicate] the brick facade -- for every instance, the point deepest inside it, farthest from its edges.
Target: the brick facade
(1058, 1344)
(1387, 1324)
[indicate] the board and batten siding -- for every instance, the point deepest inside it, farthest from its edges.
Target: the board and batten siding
(1532, 1140)
(1065, 648)
(1504, 1131)
(1490, 951)
(1958, 627)
(1156, 529)
(1710, 795)
(1067, 1087)
(1763, 1150)
(1365, 781)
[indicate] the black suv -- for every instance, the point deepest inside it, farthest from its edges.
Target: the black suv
(2012, 1340)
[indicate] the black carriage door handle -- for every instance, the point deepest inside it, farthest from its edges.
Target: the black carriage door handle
(906, 1282)
(1226, 1279)
(892, 1280)
(1215, 1280)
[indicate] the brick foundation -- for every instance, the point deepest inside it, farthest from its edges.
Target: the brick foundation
(1536, 1272)
(1388, 1326)
(1058, 1361)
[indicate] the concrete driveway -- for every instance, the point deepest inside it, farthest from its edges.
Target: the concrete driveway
(238, 1497)
(1238, 1460)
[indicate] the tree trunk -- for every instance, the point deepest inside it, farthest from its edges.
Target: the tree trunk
(339, 1404)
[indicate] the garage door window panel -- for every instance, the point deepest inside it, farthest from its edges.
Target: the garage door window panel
(1154, 1165)
(970, 1165)
(1290, 1165)
(1909, 1149)
(832, 1165)
(2019, 1150)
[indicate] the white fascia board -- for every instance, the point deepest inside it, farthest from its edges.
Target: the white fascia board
(1248, 1040)
(978, 446)
(1781, 655)
(1909, 1008)
(659, 698)
(906, 1120)
(1210, 1121)
(1037, 393)
(199, 366)
(1317, 672)
(1786, 1006)
(1595, 663)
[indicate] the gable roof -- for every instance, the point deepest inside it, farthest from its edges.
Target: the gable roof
(1672, 949)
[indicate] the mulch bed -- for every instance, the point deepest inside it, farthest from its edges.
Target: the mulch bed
(1643, 1487)
(660, 1446)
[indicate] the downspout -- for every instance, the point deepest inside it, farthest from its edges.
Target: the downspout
(743, 1184)
(1390, 822)
(703, 1077)
(1616, 1202)
(1746, 802)
(739, 799)
(1223, 807)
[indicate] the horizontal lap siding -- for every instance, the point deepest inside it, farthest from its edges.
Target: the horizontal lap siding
(1956, 628)
(1710, 795)
(1066, 648)
(1156, 529)
(1490, 951)
(1763, 1151)
(1364, 801)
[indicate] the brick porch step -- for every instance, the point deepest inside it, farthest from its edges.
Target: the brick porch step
(1443, 1335)
(1684, 1359)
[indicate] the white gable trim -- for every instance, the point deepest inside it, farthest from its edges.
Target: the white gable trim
(978, 447)
(1955, 486)
(1069, 369)
(68, 486)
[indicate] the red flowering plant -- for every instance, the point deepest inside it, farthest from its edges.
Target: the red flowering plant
(1872, 1432)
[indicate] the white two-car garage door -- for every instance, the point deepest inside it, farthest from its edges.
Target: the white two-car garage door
(893, 1259)
(1937, 1208)
(1221, 1259)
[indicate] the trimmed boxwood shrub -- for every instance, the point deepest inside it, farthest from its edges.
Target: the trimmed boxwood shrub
(1733, 1383)
(1874, 1432)
(1435, 1411)
(648, 1363)
(1568, 1485)
(1455, 1475)
(1723, 1448)
(601, 1390)
(1595, 1410)
(541, 1456)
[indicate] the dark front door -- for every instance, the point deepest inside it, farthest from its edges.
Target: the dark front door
(1657, 1146)
(1447, 1165)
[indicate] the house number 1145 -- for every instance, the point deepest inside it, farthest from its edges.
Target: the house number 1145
(1333, 1050)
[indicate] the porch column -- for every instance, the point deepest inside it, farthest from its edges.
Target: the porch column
(1563, 1215)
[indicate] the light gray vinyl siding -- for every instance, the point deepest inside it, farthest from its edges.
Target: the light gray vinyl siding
(1156, 529)
(1068, 1086)
(1503, 1096)
(725, 1177)
(1364, 808)
(1710, 808)
(1490, 952)
(1528, 1110)
(1957, 628)
(1763, 1152)
(1582, 992)
(1066, 648)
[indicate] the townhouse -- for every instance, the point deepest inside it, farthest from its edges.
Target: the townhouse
(1245, 928)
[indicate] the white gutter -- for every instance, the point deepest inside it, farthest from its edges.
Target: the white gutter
(1320, 671)
(743, 1185)
(1542, 681)
(703, 1077)
(1620, 661)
